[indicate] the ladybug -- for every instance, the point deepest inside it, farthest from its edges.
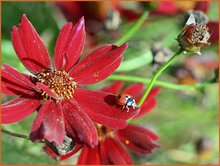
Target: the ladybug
(126, 101)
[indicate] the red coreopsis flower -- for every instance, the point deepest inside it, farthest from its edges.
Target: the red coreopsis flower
(140, 140)
(63, 107)
(213, 27)
(110, 149)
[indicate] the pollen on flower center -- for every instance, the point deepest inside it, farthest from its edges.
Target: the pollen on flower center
(59, 82)
(103, 131)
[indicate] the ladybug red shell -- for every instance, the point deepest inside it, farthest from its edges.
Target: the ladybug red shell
(125, 100)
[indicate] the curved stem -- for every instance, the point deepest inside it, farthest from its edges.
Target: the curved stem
(132, 30)
(18, 135)
(165, 65)
(129, 78)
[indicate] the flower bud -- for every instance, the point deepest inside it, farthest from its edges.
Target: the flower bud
(194, 36)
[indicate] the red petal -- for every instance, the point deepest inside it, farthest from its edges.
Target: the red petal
(107, 121)
(18, 109)
(49, 123)
(143, 130)
(53, 123)
(79, 123)
(71, 10)
(37, 131)
(166, 7)
(54, 155)
(137, 138)
(135, 90)
(149, 102)
(16, 83)
(114, 153)
(214, 29)
(202, 5)
(29, 47)
(98, 65)
(104, 153)
(128, 14)
(154, 92)
(113, 87)
(102, 104)
(69, 45)
(50, 152)
(48, 91)
(89, 156)
(146, 107)
(23, 78)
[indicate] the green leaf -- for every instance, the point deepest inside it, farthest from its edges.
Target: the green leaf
(15, 152)
(162, 29)
(213, 11)
(9, 56)
(40, 14)
(135, 58)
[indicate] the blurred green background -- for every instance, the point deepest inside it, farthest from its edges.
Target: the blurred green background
(180, 118)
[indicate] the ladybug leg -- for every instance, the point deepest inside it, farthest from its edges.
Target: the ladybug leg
(123, 107)
(127, 108)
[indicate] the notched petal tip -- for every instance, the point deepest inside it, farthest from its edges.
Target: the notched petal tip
(14, 28)
(29, 47)
(82, 20)
(81, 24)
(135, 111)
(125, 45)
(24, 20)
(70, 42)
(98, 65)
(24, 17)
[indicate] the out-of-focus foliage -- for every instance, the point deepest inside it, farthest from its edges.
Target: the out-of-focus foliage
(19, 150)
(180, 121)
(9, 55)
(41, 14)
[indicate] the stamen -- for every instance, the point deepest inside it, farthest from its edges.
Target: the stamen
(59, 83)
(127, 142)
(103, 132)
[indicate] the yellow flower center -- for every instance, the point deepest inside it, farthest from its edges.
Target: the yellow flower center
(59, 82)
(103, 132)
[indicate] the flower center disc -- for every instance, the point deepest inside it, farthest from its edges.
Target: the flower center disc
(59, 82)
(103, 131)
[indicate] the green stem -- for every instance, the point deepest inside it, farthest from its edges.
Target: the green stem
(132, 30)
(165, 65)
(18, 135)
(158, 83)
(49, 144)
